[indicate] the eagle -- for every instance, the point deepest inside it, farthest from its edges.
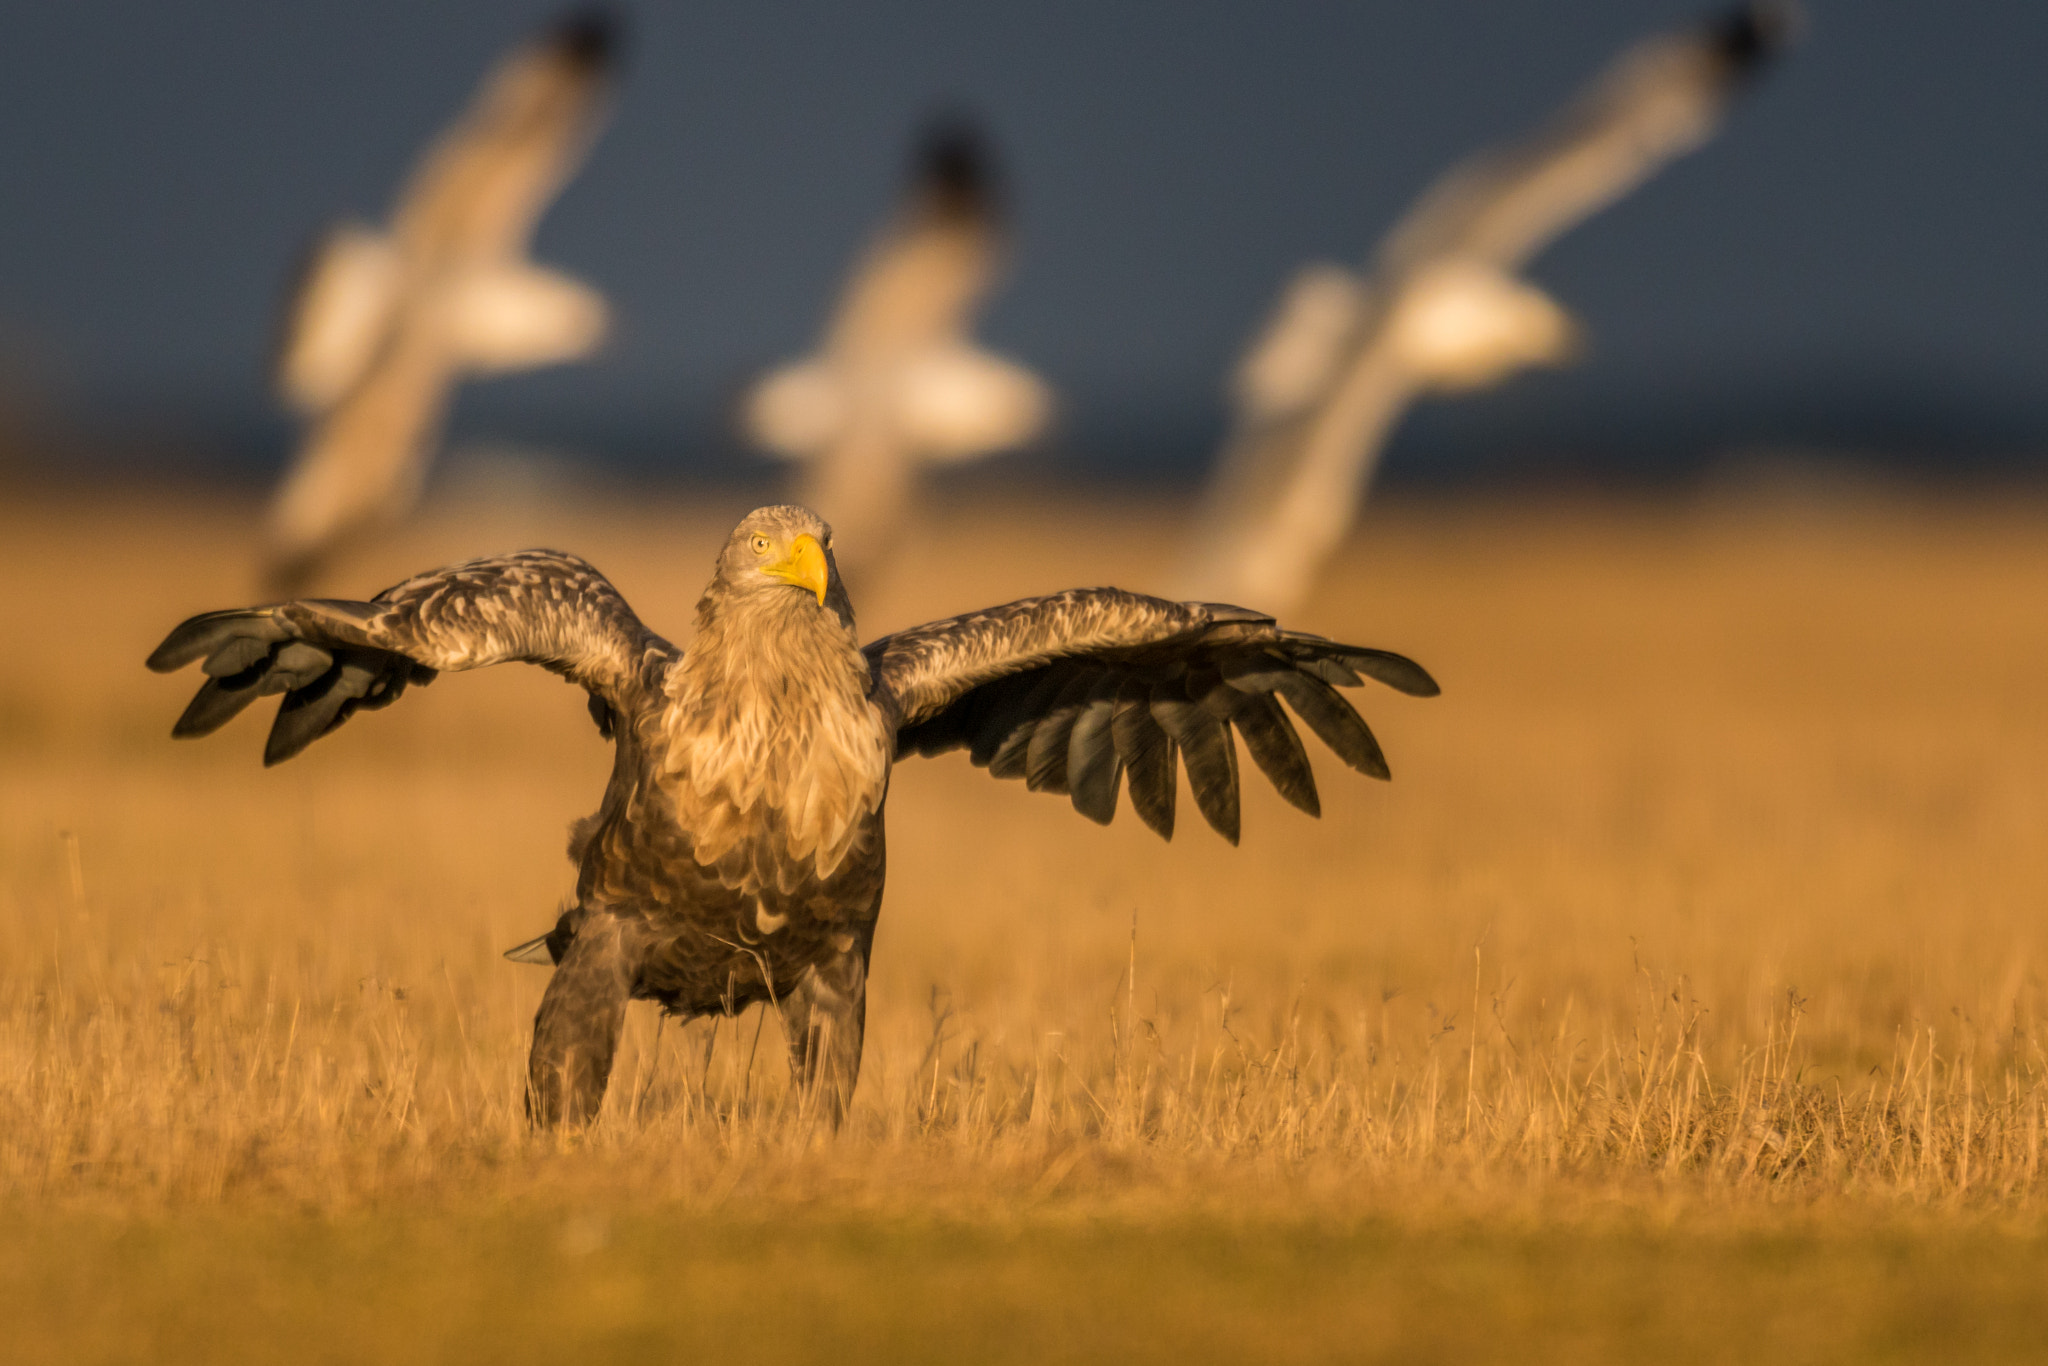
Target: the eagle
(380, 325)
(897, 383)
(737, 855)
(1442, 309)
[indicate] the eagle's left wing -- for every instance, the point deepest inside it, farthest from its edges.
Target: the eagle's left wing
(331, 658)
(1070, 692)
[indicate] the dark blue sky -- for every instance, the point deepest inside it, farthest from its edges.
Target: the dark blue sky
(1858, 262)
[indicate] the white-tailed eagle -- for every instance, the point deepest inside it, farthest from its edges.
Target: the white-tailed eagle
(738, 853)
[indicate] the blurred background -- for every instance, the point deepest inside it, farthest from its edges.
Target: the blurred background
(1848, 275)
(1731, 817)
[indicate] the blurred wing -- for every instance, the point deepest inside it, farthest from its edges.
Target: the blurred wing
(364, 458)
(916, 287)
(1456, 325)
(484, 183)
(1321, 391)
(1316, 408)
(339, 313)
(1287, 491)
(332, 658)
(796, 411)
(918, 284)
(957, 402)
(515, 316)
(1074, 691)
(1659, 100)
(1295, 356)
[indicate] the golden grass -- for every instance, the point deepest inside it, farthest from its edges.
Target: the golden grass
(1707, 896)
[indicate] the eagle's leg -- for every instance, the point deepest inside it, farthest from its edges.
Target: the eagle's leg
(577, 1029)
(825, 1016)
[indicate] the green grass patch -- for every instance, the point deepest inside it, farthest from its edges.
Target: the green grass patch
(677, 1285)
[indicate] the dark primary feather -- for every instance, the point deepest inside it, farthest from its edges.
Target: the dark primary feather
(1148, 755)
(1045, 761)
(1075, 692)
(1271, 741)
(332, 658)
(1205, 749)
(1094, 768)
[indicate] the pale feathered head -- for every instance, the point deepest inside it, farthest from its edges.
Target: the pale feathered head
(775, 557)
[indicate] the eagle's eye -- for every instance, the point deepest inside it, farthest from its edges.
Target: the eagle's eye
(761, 545)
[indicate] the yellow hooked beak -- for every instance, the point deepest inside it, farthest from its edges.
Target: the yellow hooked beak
(804, 568)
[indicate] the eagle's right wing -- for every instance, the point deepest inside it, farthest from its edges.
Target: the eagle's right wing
(331, 658)
(1072, 692)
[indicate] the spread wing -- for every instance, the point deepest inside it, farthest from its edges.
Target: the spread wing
(796, 411)
(482, 186)
(363, 459)
(954, 403)
(1293, 358)
(516, 316)
(1659, 100)
(898, 383)
(918, 284)
(331, 658)
(1342, 359)
(1287, 489)
(1075, 691)
(338, 314)
(947, 403)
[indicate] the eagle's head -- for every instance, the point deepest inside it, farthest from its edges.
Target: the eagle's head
(776, 554)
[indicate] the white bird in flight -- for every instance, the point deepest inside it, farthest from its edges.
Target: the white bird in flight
(897, 383)
(1441, 309)
(382, 324)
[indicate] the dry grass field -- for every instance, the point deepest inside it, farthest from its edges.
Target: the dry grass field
(1682, 997)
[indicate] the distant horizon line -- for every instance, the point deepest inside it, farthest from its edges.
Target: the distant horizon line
(1568, 425)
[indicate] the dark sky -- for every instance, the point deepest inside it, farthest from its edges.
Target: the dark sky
(1859, 261)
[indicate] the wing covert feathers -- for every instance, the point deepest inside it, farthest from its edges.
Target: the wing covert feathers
(333, 658)
(1077, 692)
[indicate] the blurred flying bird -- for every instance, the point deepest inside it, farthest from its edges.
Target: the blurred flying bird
(1441, 309)
(898, 383)
(738, 853)
(382, 324)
